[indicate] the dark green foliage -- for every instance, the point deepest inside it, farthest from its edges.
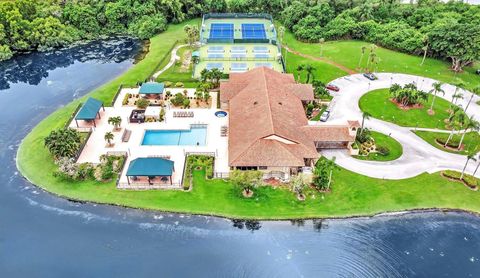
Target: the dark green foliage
(63, 143)
(363, 135)
(178, 99)
(319, 90)
(447, 30)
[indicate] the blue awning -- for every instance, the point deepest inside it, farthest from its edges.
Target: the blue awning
(89, 109)
(150, 166)
(151, 88)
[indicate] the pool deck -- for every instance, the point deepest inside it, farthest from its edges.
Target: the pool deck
(96, 145)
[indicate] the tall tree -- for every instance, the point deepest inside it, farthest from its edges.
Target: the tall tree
(458, 41)
(469, 157)
(437, 88)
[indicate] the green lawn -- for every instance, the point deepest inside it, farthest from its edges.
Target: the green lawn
(378, 104)
(323, 71)
(471, 141)
(177, 73)
(381, 139)
(348, 53)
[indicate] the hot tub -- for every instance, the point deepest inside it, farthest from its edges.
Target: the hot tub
(221, 114)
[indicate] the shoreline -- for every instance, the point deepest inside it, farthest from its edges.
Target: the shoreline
(398, 213)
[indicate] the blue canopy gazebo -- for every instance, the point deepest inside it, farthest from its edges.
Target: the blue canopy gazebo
(150, 167)
(90, 111)
(151, 88)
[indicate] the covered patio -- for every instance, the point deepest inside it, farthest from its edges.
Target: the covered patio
(90, 111)
(152, 89)
(150, 169)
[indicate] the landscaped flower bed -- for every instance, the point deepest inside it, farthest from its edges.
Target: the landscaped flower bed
(470, 181)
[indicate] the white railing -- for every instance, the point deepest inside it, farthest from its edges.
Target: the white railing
(147, 186)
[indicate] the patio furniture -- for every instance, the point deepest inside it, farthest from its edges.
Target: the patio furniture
(126, 135)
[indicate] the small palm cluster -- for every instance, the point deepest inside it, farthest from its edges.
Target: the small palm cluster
(63, 143)
(408, 95)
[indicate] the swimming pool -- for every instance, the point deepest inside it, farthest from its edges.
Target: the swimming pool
(196, 136)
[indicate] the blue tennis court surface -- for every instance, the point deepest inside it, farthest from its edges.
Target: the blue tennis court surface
(260, 49)
(215, 55)
(221, 31)
(262, 55)
(239, 67)
(268, 65)
(211, 66)
(253, 31)
(215, 49)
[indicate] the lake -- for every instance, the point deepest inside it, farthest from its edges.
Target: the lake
(45, 236)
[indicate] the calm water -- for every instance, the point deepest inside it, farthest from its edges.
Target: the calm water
(45, 236)
(196, 136)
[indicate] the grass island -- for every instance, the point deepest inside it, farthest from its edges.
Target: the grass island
(201, 187)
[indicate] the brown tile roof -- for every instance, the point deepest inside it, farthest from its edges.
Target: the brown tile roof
(302, 91)
(325, 133)
(263, 102)
(355, 124)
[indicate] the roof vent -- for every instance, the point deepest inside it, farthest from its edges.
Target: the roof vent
(280, 103)
(255, 103)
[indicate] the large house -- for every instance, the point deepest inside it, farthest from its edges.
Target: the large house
(268, 128)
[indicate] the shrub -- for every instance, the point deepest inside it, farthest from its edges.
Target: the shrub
(383, 150)
(143, 103)
(125, 99)
(107, 171)
(85, 171)
(364, 136)
(470, 180)
(179, 85)
(186, 103)
(63, 143)
(167, 84)
(178, 99)
(452, 143)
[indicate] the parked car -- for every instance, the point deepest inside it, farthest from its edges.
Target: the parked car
(332, 87)
(370, 76)
(324, 116)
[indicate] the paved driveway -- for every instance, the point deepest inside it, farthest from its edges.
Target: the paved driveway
(418, 156)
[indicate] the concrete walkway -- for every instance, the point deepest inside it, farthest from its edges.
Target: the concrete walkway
(173, 58)
(418, 156)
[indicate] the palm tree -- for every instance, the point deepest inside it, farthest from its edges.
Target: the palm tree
(198, 96)
(478, 165)
(216, 75)
(367, 116)
(109, 137)
(331, 166)
(372, 53)
(469, 157)
(361, 57)
(476, 91)
(309, 69)
(300, 68)
(321, 41)
(206, 96)
(425, 50)
(470, 124)
(63, 143)
(437, 88)
(115, 121)
(459, 84)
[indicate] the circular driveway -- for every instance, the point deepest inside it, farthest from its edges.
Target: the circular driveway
(418, 156)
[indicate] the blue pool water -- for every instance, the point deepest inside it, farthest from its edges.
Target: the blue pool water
(191, 137)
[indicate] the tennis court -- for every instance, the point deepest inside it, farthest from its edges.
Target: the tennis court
(211, 66)
(253, 31)
(221, 31)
